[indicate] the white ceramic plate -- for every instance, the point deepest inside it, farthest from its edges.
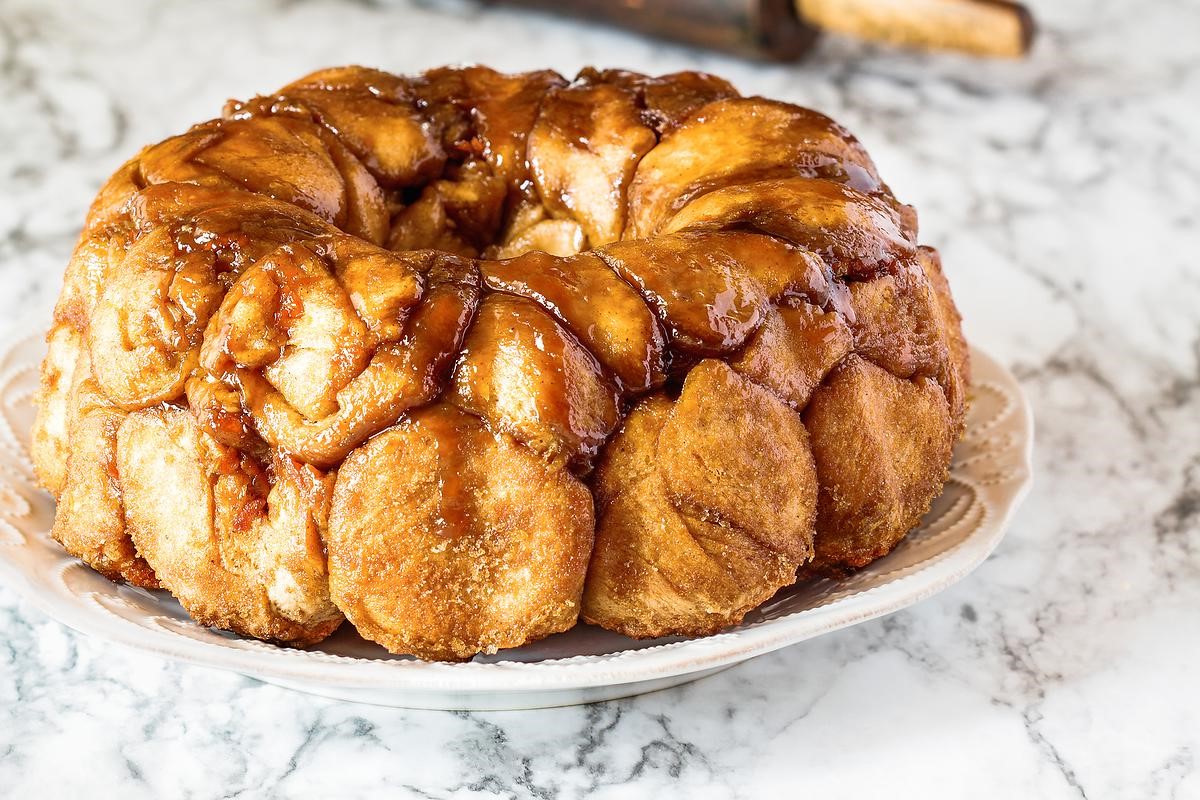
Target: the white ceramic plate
(990, 475)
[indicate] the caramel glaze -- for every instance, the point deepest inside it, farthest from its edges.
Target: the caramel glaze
(304, 271)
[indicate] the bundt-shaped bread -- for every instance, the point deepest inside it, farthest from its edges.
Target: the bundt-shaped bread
(466, 356)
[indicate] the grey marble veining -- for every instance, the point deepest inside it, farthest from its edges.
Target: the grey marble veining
(1064, 194)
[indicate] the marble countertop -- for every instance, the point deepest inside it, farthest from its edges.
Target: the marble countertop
(1064, 194)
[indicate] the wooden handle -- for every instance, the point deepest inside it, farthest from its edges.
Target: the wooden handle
(978, 27)
(763, 29)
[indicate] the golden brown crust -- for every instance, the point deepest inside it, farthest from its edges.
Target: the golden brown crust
(49, 438)
(882, 449)
(448, 540)
(794, 349)
(954, 373)
(90, 520)
(237, 554)
(705, 508)
(496, 280)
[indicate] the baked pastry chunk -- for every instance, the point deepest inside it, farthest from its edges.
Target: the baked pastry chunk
(466, 357)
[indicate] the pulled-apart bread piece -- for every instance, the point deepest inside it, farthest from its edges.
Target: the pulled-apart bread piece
(90, 521)
(882, 449)
(50, 441)
(447, 540)
(239, 545)
(145, 333)
(530, 377)
(375, 115)
(583, 150)
(554, 237)
(704, 510)
(757, 139)
(284, 157)
(400, 319)
(352, 350)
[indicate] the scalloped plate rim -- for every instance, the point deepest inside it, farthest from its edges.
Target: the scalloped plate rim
(507, 681)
